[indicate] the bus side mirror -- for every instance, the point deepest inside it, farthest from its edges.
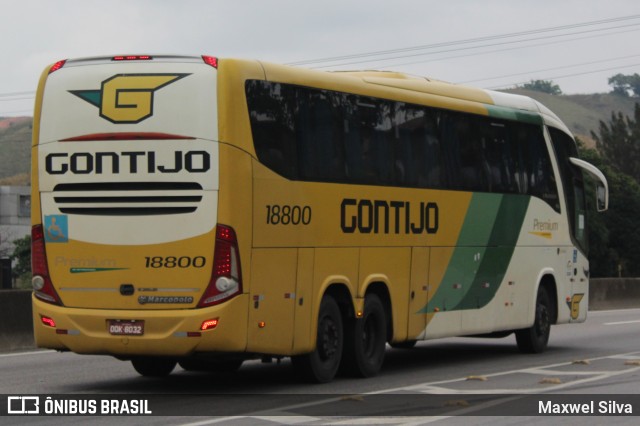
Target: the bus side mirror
(602, 187)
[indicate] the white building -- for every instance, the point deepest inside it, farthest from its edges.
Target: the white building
(15, 222)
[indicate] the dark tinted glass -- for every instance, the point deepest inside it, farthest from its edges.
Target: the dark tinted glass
(320, 135)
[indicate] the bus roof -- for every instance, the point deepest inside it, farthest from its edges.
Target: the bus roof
(390, 83)
(500, 99)
(505, 105)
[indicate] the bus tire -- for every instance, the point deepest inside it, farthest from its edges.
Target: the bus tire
(153, 366)
(534, 339)
(321, 365)
(365, 340)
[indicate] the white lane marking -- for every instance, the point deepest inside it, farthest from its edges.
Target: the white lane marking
(622, 322)
(397, 420)
(612, 311)
(214, 421)
(430, 389)
(462, 412)
(546, 372)
(629, 357)
(282, 419)
(504, 373)
(8, 355)
(287, 419)
(434, 389)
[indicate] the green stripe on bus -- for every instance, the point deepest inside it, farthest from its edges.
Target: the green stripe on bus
(482, 254)
(470, 248)
(85, 270)
(514, 114)
(497, 256)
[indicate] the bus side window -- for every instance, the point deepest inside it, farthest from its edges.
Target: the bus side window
(433, 173)
(382, 138)
(270, 112)
(573, 184)
(539, 173)
(354, 167)
(464, 150)
(320, 136)
(498, 159)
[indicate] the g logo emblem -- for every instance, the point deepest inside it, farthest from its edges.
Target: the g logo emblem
(574, 305)
(127, 98)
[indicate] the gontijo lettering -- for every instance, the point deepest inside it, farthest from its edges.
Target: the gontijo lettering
(84, 163)
(380, 216)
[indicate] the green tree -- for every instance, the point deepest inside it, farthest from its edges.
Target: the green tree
(614, 236)
(625, 85)
(619, 142)
(602, 257)
(544, 86)
(622, 222)
(22, 255)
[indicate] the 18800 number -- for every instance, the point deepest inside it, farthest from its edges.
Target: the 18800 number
(175, 262)
(288, 215)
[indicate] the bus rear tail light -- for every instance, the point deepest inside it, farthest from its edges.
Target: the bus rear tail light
(42, 285)
(210, 60)
(55, 67)
(226, 277)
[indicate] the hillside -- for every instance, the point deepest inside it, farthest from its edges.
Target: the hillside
(581, 113)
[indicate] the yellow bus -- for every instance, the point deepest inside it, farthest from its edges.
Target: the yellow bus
(205, 211)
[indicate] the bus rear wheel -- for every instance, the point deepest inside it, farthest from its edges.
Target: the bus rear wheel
(534, 339)
(321, 365)
(365, 340)
(153, 366)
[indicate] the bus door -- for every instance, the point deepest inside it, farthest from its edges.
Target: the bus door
(419, 292)
(272, 300)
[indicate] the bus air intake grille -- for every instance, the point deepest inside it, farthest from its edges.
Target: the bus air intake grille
(127, 198)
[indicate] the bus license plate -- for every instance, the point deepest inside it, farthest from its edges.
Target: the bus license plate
(126, 328)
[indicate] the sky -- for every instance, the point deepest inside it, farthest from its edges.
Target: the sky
(490, 44)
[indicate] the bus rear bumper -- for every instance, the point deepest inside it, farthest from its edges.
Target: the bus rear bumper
(175, 332)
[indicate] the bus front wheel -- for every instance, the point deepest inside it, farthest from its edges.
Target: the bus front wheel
(535, 338)
(321, 365)
(365, 340)
(153, 366)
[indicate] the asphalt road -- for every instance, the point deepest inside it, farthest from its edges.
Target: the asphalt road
(447, 381)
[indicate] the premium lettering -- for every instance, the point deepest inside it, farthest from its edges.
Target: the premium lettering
(133, 162)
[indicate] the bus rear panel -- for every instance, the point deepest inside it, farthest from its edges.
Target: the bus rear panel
(128, 253)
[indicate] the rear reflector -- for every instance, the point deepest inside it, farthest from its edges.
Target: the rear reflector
(47, 321)
(209, 324)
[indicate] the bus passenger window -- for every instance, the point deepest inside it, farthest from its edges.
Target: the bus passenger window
(542, 180)
(270, 112)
